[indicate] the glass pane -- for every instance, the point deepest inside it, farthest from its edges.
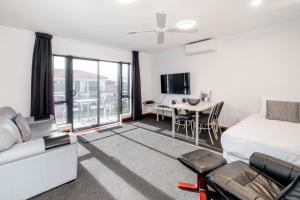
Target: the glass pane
(125, 106)
(109, 95)
(61, 113)
(125, 79)
(85, 79)
(126, 92)
(59, 78)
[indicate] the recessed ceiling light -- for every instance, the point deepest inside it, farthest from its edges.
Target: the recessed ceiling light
(256, 2)
(126, 1)
(186, 24)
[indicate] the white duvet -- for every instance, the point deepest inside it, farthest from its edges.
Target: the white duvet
(257, 134)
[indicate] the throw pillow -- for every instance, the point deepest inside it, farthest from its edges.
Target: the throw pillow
(283, 111)
(23, 127)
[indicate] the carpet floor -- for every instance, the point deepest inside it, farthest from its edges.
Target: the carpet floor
(131, 162)
(165, 128)
(137, 164)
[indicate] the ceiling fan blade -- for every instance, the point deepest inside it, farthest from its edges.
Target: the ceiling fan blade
(176, 30)
(160, 38)
(136, 32)
(161, 20)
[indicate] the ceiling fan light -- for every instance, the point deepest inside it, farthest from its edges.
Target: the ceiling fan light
(126, 1)
(255, 3)
(186, 24)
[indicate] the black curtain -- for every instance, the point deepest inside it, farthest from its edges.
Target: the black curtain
(136, 87)
(42, 97)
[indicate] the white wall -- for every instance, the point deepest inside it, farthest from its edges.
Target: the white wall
(16, 47)
(247, 66)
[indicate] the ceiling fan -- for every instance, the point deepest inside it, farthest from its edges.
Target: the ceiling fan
(186, 26)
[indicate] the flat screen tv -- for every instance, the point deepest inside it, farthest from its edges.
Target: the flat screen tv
(175, 83)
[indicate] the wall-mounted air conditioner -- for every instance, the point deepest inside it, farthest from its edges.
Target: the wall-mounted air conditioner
(204, 46)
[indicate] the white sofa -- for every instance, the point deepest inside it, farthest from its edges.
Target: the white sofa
(30, 168)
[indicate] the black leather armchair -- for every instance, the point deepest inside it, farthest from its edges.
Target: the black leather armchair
(265, 178)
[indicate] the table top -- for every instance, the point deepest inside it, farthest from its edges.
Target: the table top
(202, 106)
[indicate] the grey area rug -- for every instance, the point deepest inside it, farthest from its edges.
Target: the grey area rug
(93, 136)
(135, 165)
(126, 127)
(146, 126)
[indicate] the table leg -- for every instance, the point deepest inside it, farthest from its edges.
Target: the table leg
(157, 115)
(197, 128)
(173, 122)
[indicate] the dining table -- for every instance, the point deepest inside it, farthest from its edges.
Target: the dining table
(202, 106)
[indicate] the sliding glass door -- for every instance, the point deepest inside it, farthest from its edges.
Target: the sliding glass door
(90, 92)
(85, 95)
(109, 92)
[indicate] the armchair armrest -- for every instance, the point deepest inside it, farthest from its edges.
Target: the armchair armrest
(22, 150)
(291, 192)
(279, 170)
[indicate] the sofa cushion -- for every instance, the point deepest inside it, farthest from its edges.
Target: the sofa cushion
(9, 133)
(283, 111)
(8, 111)
(23, 127)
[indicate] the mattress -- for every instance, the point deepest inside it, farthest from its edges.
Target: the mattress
(258, 134)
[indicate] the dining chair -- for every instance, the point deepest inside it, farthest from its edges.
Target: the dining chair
(216, 118)
(184, 120)
(208, 123)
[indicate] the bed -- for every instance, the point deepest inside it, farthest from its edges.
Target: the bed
(258, 134)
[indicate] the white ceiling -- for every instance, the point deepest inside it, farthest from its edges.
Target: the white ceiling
(107, 21)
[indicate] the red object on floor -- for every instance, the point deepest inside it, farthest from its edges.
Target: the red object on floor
(200, 186)
(187, 186)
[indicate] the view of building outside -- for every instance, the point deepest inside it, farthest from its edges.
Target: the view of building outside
(85, 99)
(126, 89)
(60, 90)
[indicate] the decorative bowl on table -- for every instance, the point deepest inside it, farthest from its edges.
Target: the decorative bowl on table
(193, 102)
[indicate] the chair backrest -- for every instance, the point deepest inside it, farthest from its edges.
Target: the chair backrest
(213, 113)
(220, 106)
(175, 110)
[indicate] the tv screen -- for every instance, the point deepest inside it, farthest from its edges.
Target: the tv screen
(175, 83)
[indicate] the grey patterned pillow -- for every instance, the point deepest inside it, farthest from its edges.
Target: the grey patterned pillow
(23, 127)
(283, 111)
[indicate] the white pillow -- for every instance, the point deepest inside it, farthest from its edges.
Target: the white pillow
(9, 133)
(263, 105)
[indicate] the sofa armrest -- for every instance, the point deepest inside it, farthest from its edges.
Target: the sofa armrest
(279, 170)
(22, 150)
(31, 148)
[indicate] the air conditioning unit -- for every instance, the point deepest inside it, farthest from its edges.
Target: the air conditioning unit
(203, 46)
